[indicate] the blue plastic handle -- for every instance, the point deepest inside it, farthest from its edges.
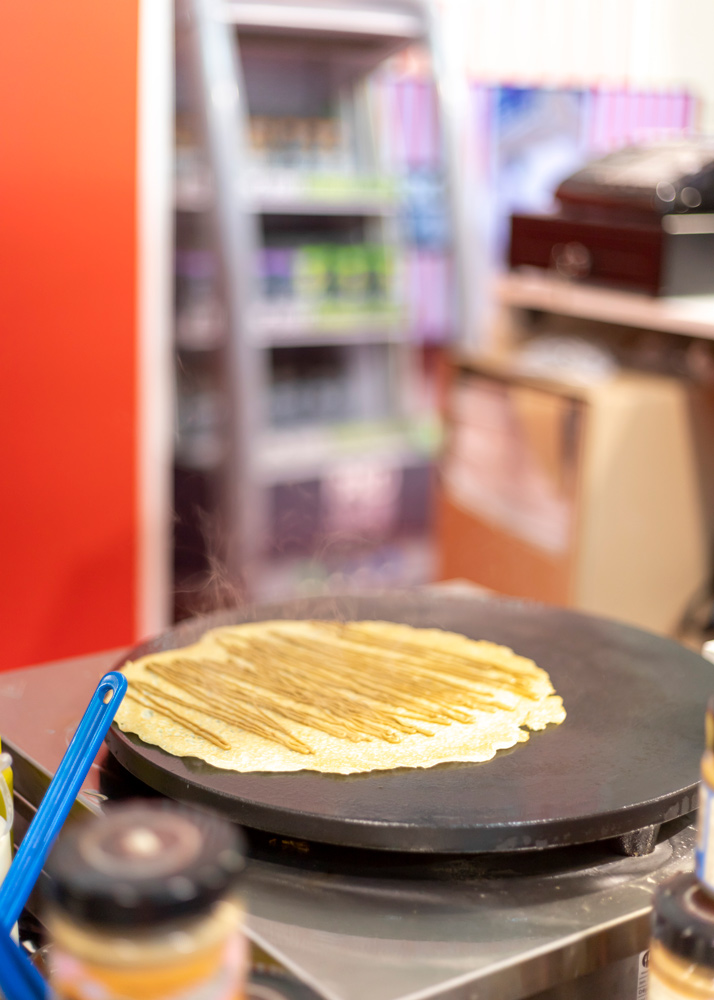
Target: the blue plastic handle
(59, 798)
(19, 979)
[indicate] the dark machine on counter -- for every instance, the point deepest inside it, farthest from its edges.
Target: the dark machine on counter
(640, 219)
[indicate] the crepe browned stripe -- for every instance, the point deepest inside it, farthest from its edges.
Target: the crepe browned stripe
(340, 697)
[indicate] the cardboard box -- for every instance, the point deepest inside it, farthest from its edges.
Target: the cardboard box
(597, 498)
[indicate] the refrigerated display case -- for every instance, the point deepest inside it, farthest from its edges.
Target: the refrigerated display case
(305, 402)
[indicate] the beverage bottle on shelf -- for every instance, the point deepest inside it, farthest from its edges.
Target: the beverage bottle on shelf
(327, 143)
(143, 902)
(259, 127)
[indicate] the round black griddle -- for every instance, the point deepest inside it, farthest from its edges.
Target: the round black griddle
(626, 757)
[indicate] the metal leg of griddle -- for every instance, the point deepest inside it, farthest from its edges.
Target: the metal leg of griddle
(638, 843)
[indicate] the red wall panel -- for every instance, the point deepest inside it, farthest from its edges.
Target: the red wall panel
(67, 327)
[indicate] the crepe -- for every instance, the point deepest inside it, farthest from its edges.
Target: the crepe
(335, 697)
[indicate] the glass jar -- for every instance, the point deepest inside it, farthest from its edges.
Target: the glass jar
(143, 903)
(681, 962)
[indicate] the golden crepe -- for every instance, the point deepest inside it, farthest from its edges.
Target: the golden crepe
(336, 697)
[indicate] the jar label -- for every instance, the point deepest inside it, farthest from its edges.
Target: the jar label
(662, 991)
(705, 837)
(643, 970)
(221, 977)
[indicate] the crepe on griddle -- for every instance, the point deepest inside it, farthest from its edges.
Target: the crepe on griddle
(336, 697)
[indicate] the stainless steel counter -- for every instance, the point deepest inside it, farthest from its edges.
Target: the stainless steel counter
(394, 927)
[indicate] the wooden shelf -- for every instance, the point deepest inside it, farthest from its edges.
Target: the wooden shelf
(311, 452)
(288, 325)
(273, 191)
(691, 316)
(412, 562)
(365, 20)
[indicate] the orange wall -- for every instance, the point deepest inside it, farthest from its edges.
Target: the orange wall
(67, 327)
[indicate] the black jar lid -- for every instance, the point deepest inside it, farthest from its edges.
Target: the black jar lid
(683, 919)
(145, 862)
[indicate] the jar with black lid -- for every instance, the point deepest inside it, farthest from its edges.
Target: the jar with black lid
(681, 964)
(143, 902)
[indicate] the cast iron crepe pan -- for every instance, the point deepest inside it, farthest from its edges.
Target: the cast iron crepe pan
(626, 757)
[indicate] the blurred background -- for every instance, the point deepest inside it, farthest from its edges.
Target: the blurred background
(287, 309)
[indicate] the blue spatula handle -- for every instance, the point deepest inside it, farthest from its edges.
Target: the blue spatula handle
(59, 798)
(19, 979)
